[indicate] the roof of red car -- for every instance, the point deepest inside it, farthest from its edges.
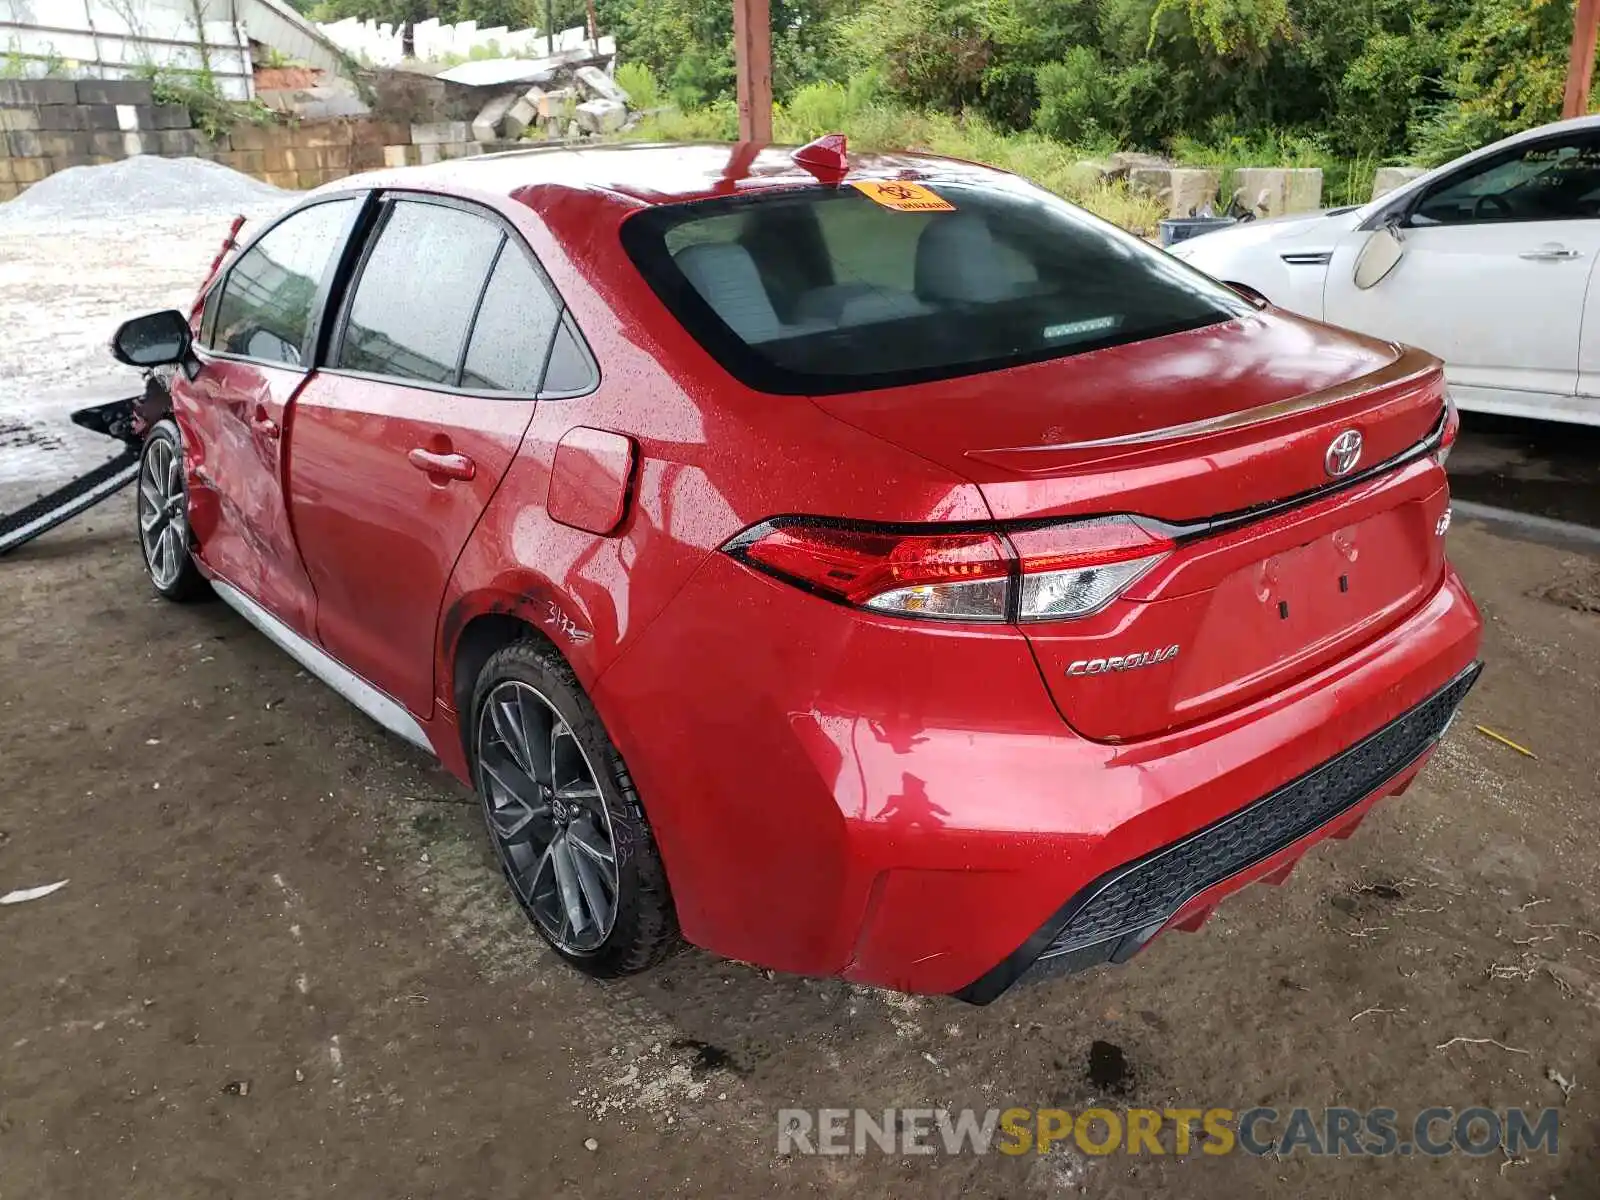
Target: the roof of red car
(656, 174)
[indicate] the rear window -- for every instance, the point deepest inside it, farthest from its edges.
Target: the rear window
(819, 290)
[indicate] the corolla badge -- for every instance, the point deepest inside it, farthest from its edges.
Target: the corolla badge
(1122, 662)
(1343, 453)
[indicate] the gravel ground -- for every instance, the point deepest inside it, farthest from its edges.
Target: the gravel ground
(138, 187)
(65, 286)
(284, 966)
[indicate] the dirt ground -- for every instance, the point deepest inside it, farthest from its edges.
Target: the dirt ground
(284, 965)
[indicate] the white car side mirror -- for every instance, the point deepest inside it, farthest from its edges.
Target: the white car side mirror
(1379, 256)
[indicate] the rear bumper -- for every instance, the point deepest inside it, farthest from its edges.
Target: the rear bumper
(906, 808)
(1115, 916)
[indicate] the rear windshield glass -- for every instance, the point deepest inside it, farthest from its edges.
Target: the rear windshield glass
(819, 290)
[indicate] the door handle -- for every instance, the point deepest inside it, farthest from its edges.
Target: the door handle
(263, 424)
(451, 466)
(1550, 253)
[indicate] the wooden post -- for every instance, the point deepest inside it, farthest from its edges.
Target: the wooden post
(752, 50)
(1580, 65)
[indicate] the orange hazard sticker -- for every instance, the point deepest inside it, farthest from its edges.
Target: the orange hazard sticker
(905, 197)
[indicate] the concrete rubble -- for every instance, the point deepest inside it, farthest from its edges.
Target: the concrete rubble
(1386, 179)
(1275, 191)
(570, 99)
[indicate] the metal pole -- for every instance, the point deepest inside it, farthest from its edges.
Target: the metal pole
(752, 48)
(1580, 64)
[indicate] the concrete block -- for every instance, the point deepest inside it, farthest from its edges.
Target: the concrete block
(1192, 189)
(277, 161)
(132, 143)
(323, 133)
(8, 191)
(599, 85)
(7, 174)
(428, 153)
(283, 179)
(558, 104)
(1386, 179)
(1124, 161)
(601, 116)
(486, 125)
(255, 137)
(127, 117)
(23, 144)
(63, 145)
(1151, 181)
(38, 91)
(522, 113)
(175, 143)
(106, 144)
(61, 118)
(364, 157)
(371, 132)
(100, 117)
(455, 149)
(20, 120)
(438, 132)
(29, 170)
(309, 179)
(62, 162)
(114, 91)
(251, 162)
(1273, 191)
(397, 156)
(317, 158)
(170, 116)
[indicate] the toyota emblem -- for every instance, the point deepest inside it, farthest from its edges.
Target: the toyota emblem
(1343, 453)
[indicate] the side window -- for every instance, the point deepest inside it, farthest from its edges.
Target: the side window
(264, 311)
(511, 336)
(1550, 181)
(418, 290)
(570, 368)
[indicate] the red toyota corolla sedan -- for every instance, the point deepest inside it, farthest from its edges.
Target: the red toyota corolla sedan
(865, 566)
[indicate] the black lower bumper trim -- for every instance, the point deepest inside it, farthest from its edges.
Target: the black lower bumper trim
(1113, 917)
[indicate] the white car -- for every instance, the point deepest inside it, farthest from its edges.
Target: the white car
(1488, 262)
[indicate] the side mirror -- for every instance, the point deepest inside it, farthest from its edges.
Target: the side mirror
(1379, 256)
(153, 340)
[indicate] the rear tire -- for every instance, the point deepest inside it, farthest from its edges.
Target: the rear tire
(564, 818)
(161, 507)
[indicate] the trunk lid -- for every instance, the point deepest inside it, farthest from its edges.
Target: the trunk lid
(1224, 433)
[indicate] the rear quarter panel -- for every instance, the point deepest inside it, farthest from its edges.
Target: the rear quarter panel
(712, 459)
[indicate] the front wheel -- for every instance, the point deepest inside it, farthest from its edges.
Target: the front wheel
(164, 517)
(564, 818)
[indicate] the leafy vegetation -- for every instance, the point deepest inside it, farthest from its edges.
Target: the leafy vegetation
(873, 124)
(1345, 86)
(211, 112)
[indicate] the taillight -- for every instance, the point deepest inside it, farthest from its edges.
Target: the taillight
(1039, 574)
(1451, 430)
(1075, 570)
(957, 576)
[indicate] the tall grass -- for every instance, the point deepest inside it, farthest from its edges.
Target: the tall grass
(1344, 181)
(873, 124)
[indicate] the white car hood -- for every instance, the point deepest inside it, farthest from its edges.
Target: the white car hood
(1316, 230)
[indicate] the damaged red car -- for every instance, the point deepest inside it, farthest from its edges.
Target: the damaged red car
(860, 566)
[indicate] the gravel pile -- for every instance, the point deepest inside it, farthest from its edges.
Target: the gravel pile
(135, 186)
